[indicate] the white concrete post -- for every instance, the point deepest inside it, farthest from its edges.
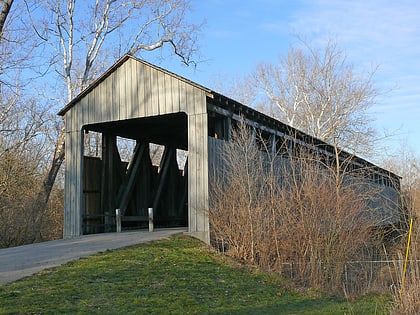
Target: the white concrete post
(150, 219)
(118, 220)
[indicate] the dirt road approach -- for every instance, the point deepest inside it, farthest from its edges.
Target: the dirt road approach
(21, 261)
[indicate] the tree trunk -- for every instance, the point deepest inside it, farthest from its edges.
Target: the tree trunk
(48, 183)
(5, 10)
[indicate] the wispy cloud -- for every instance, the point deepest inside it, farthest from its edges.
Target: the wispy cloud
(384, 32)
(381, 33)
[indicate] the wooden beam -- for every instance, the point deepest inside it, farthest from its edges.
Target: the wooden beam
(132, 175)
(185, 191)
(135, 218)
(108, 189)
(166, 161)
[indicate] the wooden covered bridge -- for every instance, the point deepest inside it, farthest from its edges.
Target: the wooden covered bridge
(139, 101)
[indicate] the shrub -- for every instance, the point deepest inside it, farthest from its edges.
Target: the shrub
(291, 214)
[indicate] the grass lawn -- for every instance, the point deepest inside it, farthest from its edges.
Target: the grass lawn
(176, 276)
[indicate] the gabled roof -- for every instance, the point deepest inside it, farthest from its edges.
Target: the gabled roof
(112, 69)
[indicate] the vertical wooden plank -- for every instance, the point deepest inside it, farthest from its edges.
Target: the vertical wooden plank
(127, 88)
(130, 88)
(78, 147)
(73, 172)
(77, 175)
(154, 92)
(101, 102)
(90, 108)
(148, 90)
(202, 173)
(175, 95)
(115, 101)
(121, 88)
(72, 184)
(192, 175)
(92, 99)
(168, 94)
(134, 91)
(106, 101)
(198, 164)
(182, 97)
(73, 120)
(67, 183)
(86, 116)
(68, 120)
(190, 101)
(161, 94)
(140, 90)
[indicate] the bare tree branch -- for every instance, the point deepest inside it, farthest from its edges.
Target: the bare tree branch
(318, 92)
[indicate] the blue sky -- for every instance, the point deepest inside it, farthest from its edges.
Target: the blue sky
(240, 34)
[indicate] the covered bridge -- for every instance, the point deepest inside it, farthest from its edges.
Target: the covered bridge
(139, 101)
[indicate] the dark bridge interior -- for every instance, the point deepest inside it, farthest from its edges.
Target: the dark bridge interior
(152, 176)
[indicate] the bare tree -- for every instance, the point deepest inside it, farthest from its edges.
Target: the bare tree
(83, 37)
(317, 91)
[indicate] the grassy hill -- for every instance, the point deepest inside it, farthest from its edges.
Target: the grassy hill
(176, 276)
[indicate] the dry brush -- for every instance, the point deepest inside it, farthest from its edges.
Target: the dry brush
(291, 214)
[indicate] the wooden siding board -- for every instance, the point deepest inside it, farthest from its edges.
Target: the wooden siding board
(67, 185)
(92, 112)
(68, 120)
(135, 109)
(199, 167)
(155, 92)
(192, 175)
(148, 91)
(72, 186)
(162, 108)
(77, 219)
(73, 119)
(190, 103)
(168, 93)
(84, 111)
(140, 90)
(91, 109)
(120, 77)
(175, 95)
(130, 89)
(126, 90)
(105, 97)
(182, 97)
(115, 98)
(98, 103)
(202, 172)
